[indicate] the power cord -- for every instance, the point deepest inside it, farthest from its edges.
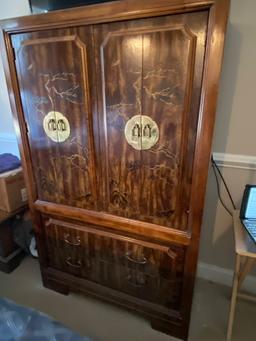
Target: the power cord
(217, 171)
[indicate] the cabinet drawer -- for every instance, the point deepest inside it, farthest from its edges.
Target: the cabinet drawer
(140, 268)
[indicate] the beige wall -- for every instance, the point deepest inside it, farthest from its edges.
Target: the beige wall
(236, 114)
(8, 9)
(217, 244)
(235, 131)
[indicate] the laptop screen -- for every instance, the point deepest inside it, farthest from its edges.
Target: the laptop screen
(250, 209)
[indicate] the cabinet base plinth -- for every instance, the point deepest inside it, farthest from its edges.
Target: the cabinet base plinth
(51, 284)
(169, 328)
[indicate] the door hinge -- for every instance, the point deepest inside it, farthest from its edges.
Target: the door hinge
(26, 127)
(13, 54)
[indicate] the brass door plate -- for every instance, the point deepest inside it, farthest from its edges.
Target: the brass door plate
(141, 132)
(56, 126)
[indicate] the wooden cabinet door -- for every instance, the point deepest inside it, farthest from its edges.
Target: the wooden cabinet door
(150, 68)
(53, 68)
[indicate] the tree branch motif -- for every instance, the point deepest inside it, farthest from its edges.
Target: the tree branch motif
(38, 101)
(167, 95)
(84, 150)
(117, 115)
(157, 172)
(46, 183)
(77, 160)
(117, 198)
(161, 73)
(164, 148)
(70, 92)
(137, 87)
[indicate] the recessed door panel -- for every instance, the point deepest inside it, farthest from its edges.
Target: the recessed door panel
(151, 73)
(53, 69)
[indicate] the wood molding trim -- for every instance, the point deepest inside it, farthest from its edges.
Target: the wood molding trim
(237, 161)
(105, 12)
(114, 222)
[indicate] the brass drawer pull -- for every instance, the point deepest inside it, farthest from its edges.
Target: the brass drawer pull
(142, 261)
(67, 240)
(76, 265)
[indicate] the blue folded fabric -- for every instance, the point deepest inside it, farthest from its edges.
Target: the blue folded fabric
(8, 162)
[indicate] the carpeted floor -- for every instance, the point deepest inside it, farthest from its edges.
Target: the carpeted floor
(104, 322)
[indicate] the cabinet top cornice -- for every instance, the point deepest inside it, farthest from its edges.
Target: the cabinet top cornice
(107, 12)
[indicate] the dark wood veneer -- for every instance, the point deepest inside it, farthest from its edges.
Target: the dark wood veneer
(96, 202)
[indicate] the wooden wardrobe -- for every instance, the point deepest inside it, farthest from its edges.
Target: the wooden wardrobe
(114, 109)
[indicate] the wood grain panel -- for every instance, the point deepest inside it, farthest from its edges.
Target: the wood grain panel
(150, 67)
(57, 68)
(146, 270)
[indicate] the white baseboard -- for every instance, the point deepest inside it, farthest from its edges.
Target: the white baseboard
(8, 144)
(224, 276)
(235, 161)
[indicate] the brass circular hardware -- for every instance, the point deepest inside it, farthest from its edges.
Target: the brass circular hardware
(141, 132)
(56, 126)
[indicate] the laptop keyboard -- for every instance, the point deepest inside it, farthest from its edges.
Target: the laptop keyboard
(251, 227)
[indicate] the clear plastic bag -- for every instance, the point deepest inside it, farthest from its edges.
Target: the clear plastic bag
(18, 323)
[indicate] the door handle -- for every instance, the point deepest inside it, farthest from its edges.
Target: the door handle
(136, 130)
(52, 124)
(56, 126)
(77, 264)
(61, 125)
(142, 260)
(141, 132)
(147, 131)
(74, 242)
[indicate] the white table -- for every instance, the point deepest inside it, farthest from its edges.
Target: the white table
(245, 249)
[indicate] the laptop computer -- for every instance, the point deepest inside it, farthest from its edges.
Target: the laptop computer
(248, 210)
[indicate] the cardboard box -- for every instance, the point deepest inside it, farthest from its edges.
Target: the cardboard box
(13, 192)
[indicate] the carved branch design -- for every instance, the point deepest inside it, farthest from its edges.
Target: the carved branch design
(115, 63)
(119, 106)
(69, 94)
(162, 173)
(118, 117)
(160, 73)
(46, 184)
(164, 149)
(84, 149)
(157, 172)
(74, 160)
(137, 87)
(117, 198)
(87, 197)
(133, 166)
(164, 214)
(38, 101)
(167, 95)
